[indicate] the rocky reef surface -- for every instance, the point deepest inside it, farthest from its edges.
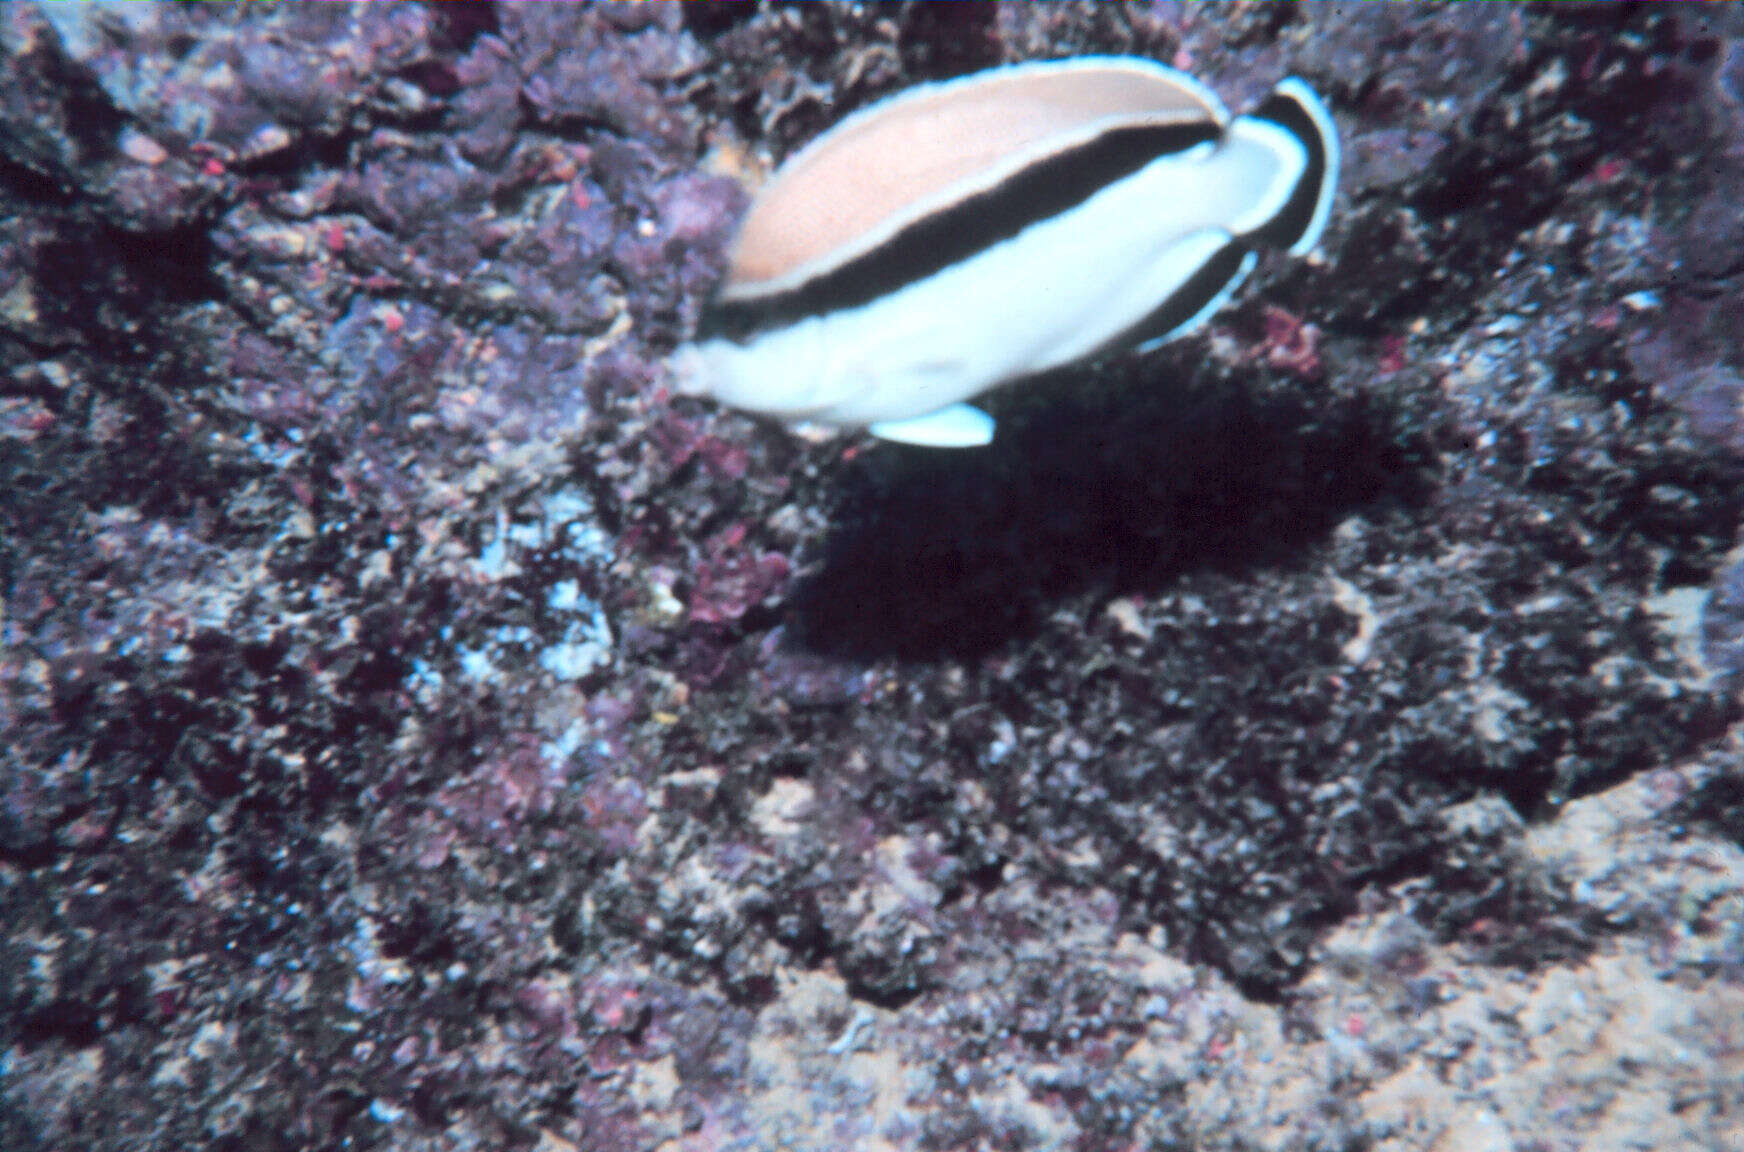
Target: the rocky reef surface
(420, 730)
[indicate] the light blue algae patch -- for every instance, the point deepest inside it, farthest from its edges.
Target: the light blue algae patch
(562, 522)
(565, 521)
(587, 639)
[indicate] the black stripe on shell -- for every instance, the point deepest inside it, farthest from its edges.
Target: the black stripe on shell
(1043, 190)
(1293, 219)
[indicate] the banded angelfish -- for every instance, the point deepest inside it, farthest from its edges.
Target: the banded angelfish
(967, 234)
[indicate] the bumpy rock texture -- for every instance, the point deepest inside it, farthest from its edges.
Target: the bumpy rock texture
(418, 730)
